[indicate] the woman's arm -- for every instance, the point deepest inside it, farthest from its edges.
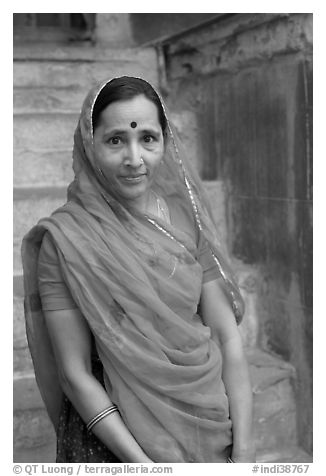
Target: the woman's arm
(71, 340)
(217, 314)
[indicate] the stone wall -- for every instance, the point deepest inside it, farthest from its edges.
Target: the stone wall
(245, 84)
(150, 26)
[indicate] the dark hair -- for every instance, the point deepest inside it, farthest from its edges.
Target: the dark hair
(122, 89)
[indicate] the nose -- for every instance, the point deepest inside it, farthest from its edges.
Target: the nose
(133, 156)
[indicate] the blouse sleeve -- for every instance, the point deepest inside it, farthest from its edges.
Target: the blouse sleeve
(205, 258)
(54, 292)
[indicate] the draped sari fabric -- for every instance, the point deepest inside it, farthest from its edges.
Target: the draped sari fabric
(136, 280)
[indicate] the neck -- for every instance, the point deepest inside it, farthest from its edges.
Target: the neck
(152, 204)
(142, 204)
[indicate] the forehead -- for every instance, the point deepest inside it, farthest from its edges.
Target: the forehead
(122, 113)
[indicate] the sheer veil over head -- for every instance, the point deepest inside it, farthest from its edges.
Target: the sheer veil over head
(176, 177)
(137, 282)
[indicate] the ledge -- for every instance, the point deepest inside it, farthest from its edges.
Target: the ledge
(42, 191)
(53, 52)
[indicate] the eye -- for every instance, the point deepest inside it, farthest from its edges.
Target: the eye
(116, 140)
(148, 138)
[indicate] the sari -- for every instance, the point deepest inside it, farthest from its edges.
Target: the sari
(137, 282)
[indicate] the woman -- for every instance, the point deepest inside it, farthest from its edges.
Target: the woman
(131, 311)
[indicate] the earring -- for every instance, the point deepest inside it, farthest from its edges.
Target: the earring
(142, 161)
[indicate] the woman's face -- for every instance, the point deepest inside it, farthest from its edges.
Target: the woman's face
(129, 146)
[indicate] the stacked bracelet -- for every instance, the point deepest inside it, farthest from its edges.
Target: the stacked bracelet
(229, 460)
(100, 416)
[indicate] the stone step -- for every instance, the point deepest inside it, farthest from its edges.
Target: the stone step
(26, 34)
(26, 393)
(248, 280)
(81, 74)
(42, 168)
(288, 455)
(39, 454)
(33, 432)
(267, 369)
(22, 362)
(58, 72)
(274, 402)
(275, 417)
(75, 52)
(44, 131)
(31, 204)
(48, 99)
(31, 429)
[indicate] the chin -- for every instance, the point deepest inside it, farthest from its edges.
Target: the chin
(134, 194)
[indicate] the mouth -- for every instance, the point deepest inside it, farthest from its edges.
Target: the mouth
(133, 178)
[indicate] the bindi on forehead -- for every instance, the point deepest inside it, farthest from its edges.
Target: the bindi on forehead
(133, 124)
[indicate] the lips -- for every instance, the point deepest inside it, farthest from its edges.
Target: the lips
(133, 178)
